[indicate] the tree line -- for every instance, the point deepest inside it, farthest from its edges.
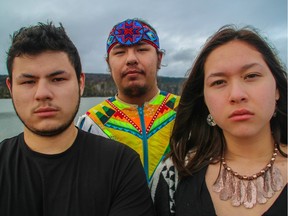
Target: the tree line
(102, 85)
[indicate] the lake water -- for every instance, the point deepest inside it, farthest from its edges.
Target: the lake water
(10, 125)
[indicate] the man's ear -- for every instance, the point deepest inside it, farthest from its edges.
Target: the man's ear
(82, 83)
(108, 65)
(9, 85)
(160, 56)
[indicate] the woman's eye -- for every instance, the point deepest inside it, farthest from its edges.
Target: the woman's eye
(217, 83)
(251, 76)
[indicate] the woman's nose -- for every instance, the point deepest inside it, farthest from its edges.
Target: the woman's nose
(237, 93)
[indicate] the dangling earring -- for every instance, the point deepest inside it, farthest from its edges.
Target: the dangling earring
(210, 120)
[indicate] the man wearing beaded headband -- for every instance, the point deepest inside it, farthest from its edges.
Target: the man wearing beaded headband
(140, 115)
(131, 32)
(53, 168)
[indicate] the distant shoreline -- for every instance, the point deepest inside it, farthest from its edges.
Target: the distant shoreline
(102, 85)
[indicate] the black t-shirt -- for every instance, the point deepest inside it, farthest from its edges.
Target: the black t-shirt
(95, 176)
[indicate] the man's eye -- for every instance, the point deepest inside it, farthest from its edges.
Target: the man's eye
(142, 49)
(27, 82)
(58, 79)
(118, 52)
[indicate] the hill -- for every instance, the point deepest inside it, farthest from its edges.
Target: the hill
(102, 85)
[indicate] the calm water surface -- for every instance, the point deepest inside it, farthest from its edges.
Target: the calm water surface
(10, 125)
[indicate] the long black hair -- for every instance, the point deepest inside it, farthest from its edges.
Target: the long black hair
(191, 133)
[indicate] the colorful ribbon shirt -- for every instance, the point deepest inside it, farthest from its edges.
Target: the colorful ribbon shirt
(145, 129)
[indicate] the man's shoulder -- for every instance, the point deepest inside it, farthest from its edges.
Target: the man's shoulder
(102, 103)
(171, 95)
(103, 143)
(97, 151)
(10, 140)
(162, 92)
(171, 98)
(7, 145)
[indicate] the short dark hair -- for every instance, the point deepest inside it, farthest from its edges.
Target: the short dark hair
(42, 37)
(191, 132)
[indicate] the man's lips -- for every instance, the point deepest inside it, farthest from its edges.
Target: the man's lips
(241, 114)
(132, 72)
(45, 111)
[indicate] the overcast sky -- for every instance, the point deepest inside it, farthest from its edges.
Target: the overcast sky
(182, 25)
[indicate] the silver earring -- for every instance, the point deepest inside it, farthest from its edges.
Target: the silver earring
(210, 120)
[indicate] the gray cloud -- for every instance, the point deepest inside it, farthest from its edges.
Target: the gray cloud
(183, 26)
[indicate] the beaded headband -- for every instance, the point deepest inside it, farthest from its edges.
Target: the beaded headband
(131, 32)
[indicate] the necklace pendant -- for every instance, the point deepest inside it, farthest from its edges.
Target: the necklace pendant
(268, 191)
(239, 193)
(219, 183)
(277, 179)
(227, 191)
(250, 195)
(248, 190)
(260, 190)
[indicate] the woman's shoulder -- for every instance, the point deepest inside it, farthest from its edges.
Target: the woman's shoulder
(283, 148)
(282, 155)
(281, 161)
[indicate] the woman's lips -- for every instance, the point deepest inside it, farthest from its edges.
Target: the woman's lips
(240, 115)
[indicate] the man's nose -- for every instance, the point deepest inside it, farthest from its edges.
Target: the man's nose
(43, 91)
(132, 58)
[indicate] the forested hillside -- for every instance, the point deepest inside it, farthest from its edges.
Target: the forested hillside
(102, 85)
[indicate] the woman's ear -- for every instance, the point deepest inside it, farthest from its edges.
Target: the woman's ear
(277, 95)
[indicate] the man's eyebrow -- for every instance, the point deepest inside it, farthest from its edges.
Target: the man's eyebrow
(26, 75)
(31, 76)
(56, 73)
(119, 46)
(142, 43)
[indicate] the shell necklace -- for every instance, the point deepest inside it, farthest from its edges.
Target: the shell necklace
(248, 190)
